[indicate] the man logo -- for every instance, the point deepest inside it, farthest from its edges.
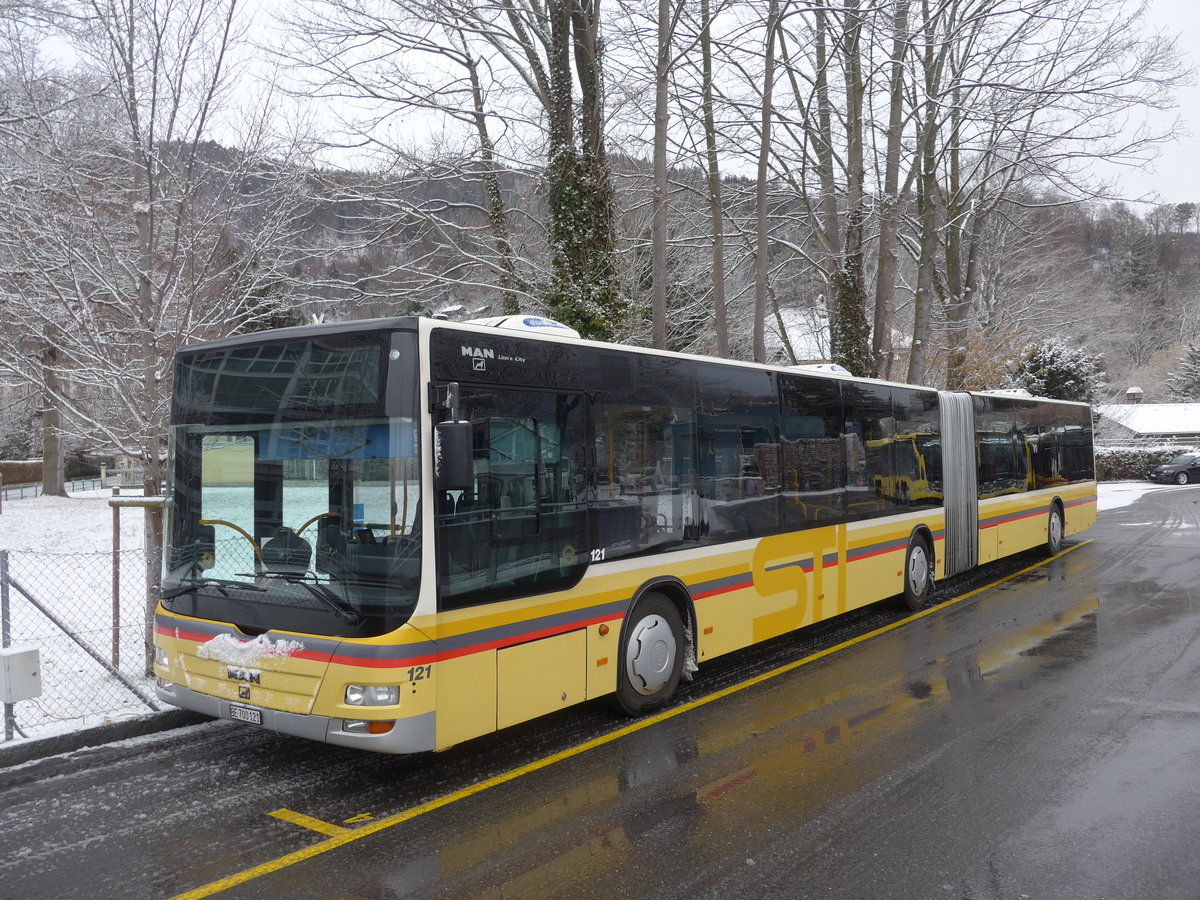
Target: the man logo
(479, 357)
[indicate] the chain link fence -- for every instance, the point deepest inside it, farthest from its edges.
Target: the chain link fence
(92, 646)
(21, 491)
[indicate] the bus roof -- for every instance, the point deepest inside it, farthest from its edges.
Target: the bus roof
(560, 335)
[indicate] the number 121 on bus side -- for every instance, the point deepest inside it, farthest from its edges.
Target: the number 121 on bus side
(400, 534)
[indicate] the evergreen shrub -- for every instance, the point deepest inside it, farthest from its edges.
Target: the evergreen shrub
(1132, 463)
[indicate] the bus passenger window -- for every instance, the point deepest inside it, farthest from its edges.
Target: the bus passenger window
(1003, 452)
(813, 451)
(874, 485)
(645, 493)
(917, 456)
(737, 423)
(521, 528)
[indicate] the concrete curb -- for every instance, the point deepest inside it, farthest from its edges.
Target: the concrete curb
(13, 753)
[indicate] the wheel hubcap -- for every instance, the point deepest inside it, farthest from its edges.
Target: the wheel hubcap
(1056, 530)
(918, 570)
(650, 656)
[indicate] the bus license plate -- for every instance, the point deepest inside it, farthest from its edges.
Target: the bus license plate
(245, 714)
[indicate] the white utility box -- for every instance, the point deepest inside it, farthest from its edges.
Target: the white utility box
(20, 674)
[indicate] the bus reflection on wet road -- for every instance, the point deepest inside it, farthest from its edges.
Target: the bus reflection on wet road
(1038, 738)
(758, 788)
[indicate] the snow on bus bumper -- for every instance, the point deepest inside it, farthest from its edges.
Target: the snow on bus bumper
(415, 734)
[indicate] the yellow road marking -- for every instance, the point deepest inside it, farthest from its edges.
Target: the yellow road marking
(325, 828)
(346, 836)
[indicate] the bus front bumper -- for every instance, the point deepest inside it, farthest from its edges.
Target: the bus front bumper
(412, 735)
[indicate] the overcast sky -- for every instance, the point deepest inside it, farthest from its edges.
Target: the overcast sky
(1175, 177)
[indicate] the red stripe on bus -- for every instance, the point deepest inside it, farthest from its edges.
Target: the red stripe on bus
(853, 556)
(723, 590)
(361, 662)
(180, 633)
(205, 638)
(524, 637)
(1014, 518)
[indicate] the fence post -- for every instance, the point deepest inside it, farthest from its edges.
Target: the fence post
(116, 583)
(5, 637)
(154, 518)
(154, 550)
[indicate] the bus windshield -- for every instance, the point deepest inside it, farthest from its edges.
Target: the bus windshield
(295, 492)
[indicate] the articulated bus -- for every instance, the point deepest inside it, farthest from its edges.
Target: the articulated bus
(400, 534)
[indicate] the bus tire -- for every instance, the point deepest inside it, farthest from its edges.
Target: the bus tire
(1055, 529)
(651, 655)
(918, 573)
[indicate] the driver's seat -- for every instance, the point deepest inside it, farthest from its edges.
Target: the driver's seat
(286, 553)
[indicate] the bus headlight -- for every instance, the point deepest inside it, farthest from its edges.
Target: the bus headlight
(160, 657)
(372, 694)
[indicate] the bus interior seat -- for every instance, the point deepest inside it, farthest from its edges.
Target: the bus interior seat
(286, 552)
(331, 545)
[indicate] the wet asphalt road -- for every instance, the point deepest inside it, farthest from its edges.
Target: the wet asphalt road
(1039, 739)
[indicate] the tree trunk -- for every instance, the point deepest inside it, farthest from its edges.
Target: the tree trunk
(889, 211)
(962, 299)
(922, 332)
(830, 230)
(927, 220)
(762, 260)
(658, 273)
(850, 338)
(716, 210)
(510, 300)
(585, 293)
(54, 476)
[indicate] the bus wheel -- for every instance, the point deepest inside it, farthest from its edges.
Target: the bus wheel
(1054, 531)
(918, 574)
(651, 655)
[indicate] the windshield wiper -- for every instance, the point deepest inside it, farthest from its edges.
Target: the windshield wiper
(219, 583)
(346, 613)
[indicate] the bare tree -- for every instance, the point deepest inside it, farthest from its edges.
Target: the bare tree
(525, 80)
(387, 63)
(120, 213)
(1015, 101)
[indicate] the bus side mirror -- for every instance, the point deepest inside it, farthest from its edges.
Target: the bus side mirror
(452, 468)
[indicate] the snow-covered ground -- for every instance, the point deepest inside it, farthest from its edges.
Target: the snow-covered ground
(1115, 494)
(61, 552)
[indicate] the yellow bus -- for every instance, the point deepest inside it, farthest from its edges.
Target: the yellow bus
(400, 534)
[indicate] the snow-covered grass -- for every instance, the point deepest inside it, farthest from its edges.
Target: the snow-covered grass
(61, 552)
(81, 523)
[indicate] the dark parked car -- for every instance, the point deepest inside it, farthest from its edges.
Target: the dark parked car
(1180, 470)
